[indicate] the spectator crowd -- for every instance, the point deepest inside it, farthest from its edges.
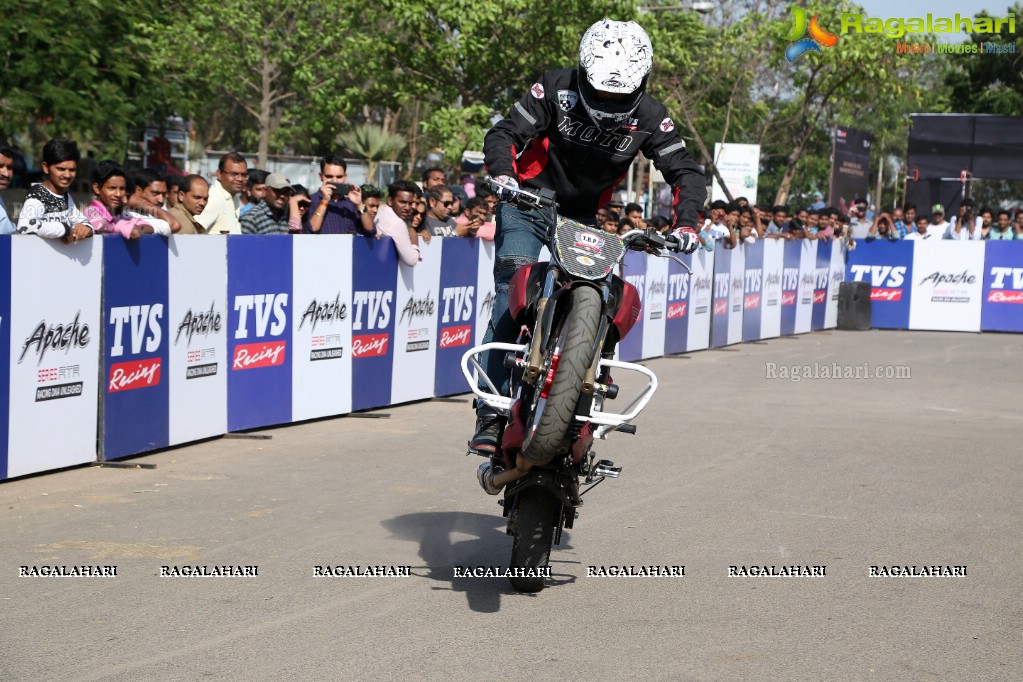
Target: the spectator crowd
(245, 200)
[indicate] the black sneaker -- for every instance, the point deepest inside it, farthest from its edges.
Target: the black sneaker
(487, 439)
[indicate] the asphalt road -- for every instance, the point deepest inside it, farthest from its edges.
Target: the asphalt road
(729, 468)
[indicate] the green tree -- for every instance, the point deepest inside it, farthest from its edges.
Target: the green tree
(373, 143)
(993, 83)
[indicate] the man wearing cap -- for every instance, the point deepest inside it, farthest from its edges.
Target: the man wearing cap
(818, 202)
(270, 216)
(938, 226)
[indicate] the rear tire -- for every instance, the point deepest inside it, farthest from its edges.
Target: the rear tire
(578, 338)
(533, 537)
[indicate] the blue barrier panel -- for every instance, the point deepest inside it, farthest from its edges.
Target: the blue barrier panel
(722, 296)
(631, 347)
(679, 311)
(789, 287)
(136, 395)
(1003, 287)
(821, 280)
(888, 266)
(374, 284)
(753, 286)
(459, 275)
(260, 311)
(5, 349)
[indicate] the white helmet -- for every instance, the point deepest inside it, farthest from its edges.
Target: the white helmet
(614, 57)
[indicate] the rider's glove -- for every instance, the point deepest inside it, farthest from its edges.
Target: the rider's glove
(688, 239)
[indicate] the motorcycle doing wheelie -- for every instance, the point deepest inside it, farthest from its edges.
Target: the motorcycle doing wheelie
(572, 312)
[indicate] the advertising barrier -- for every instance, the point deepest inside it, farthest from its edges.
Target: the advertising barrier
(321, 337)
(374, 280)
(136, 394)
(1002, 306)
(5, 351)
(197, 325)
(259, 282)
(55, 350)
(194, 336)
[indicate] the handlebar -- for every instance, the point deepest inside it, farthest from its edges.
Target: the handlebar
(520, 196)
(648, 239)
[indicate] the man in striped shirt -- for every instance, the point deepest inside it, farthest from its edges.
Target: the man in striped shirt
(270, 216)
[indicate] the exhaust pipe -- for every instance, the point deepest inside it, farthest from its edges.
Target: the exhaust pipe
(493, 483)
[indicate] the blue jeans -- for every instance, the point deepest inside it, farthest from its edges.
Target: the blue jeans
(517, 242)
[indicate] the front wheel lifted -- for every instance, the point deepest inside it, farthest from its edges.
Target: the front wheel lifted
(535, 520)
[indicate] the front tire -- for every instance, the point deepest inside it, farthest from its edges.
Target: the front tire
(534, 534)
(577, 342)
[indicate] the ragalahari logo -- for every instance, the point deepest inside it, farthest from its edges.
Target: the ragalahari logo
(818, 36)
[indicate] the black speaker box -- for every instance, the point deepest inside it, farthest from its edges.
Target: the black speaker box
(854, 308)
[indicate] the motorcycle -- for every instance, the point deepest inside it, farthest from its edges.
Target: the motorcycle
(572, 312)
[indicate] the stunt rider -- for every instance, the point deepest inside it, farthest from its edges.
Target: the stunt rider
(576, 132)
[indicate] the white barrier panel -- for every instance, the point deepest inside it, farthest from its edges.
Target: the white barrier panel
(415, 330)
(5, 349)
(55, 352)
(197, 303)
(835, 283)
(322, 332)
(807, 279)
(737, 295)
(700, 292)
(948, 280)
(770, 312)
(485, 294)
(655, 302)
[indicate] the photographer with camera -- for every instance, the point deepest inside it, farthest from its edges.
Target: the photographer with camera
(337, 207)
(966, 225)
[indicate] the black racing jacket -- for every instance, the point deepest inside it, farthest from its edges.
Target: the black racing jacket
(549, 142)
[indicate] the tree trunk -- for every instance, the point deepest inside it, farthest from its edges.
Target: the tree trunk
(880, 180)
(265, 112)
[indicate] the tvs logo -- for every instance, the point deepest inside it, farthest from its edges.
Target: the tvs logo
(372, 309)
(818, 36)
(455, 336)
(127, 376)
(676, 310)
(754, 280)
(264, 306)
(567, 99)
(886, 281)
(678, 287)
(637, 281)
(257, 355)
(369, 345)
(458, 304)
(1000, 274)
(536, 91)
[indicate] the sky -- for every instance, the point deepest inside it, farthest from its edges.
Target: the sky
(919, 8)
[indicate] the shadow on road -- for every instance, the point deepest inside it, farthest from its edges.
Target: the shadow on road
(487, 545)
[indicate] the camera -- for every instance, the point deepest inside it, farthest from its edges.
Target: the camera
(341, 189)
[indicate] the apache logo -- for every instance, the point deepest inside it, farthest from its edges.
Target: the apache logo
(589, 133)
(818, 36)
(487, 307)
(772, 279)
(807, 280)
(702, 283)
(737, 284)
(335, 311)
(455, 336)
(657, 287)
(838, 276)
(458, 304)
(418, 307)
(144, 325)
(937, 278)
(199, 323)
(56, 337)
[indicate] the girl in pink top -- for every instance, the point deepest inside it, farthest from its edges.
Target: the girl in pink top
(109, 184)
